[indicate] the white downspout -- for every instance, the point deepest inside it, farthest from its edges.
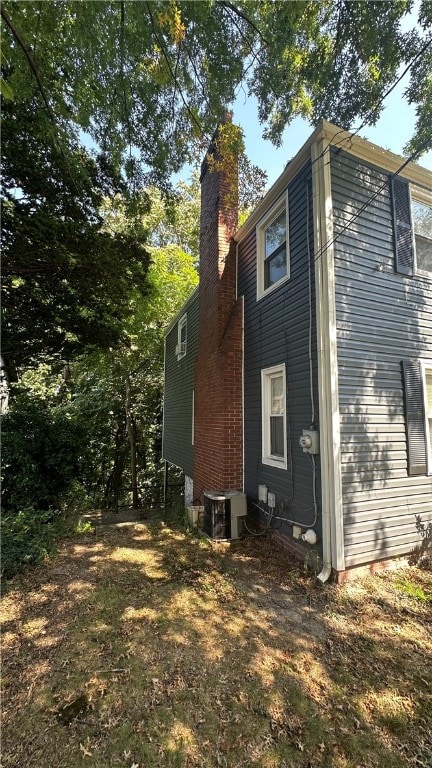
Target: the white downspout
(332, 531)
(242, 371)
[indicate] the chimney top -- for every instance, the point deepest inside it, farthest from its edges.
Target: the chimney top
(226, 117)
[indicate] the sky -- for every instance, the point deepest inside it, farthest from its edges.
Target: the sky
(392, 131)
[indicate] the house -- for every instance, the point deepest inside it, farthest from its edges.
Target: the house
(300, 370)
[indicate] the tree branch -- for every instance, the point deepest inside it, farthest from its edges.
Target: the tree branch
(122, 61)
(29, 56)
(238, 12)
(192, 61)
(166, 57)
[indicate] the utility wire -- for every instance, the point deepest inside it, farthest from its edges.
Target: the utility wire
(370, 199)
(354, 132)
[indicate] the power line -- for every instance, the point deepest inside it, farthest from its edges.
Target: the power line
(372, 197)
(355, 131)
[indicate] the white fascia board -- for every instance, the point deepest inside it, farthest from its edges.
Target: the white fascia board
(372, 153)
(275, 192)
(330, 135)
(331, 473)
(181, 312)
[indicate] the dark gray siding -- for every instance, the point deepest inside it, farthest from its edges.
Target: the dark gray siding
(179, 385)
(277, 331)
(382, 318)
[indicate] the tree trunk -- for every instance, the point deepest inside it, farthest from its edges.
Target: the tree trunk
(114, 481)
(132, 443)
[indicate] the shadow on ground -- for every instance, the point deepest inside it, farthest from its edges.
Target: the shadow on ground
(175, 652)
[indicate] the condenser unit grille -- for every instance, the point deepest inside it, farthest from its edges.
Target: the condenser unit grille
(217, 517)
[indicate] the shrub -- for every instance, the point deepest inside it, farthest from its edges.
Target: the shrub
(40, 454)
(27, 537)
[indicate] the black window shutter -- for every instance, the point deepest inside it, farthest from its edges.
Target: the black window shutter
(402, 227)
(415, 417)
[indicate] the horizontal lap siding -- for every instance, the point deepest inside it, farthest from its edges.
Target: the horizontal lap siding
(179, 385)
(382, 318)
(277, 331)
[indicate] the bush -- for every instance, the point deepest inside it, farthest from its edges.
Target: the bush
(27, 537)
(41, 446)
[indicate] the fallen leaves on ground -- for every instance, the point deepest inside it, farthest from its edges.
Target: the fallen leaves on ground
(145, 646)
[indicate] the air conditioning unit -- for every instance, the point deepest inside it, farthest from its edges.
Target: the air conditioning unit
(181, 348)
(223, 511)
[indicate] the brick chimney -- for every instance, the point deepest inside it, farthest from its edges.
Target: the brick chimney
(218, 431)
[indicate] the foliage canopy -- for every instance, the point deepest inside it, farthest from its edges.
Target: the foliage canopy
(148, 80)
(67, 279)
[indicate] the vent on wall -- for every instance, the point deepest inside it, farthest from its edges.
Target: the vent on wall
(223, 511)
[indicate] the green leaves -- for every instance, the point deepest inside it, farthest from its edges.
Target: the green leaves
(41, 450)
(150, 80)
(67, 280)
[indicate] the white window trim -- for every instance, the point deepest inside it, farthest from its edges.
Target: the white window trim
(426, 365)
(266, 374)
(193, 417)
(260, 246)
(422, 196)
(182, 323)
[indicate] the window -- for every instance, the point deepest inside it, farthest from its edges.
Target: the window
(273, 396)
(422, 226)
(417, 382)
(427, 394)
(181, 337)
(272, 248)
(412, 225)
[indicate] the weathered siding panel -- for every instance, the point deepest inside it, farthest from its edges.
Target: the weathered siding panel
(277, 331)
(382, 318)
(179, 386)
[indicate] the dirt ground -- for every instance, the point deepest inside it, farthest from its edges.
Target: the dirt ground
(142, 645)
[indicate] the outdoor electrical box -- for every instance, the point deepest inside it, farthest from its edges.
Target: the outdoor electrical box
(309, 441)
(262, 493)
(296, 532)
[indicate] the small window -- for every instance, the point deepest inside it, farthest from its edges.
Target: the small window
(181, 337)
(422, 225)
(272, 248)
(273, 394)
(427, 394)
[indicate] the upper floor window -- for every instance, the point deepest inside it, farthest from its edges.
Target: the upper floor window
(412, 227)
(272, 248)
(181, 337)
(422, 226)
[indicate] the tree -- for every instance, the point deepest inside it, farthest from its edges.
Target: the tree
(117, 393)
(148, 80)
(166, 221)
(66, 278)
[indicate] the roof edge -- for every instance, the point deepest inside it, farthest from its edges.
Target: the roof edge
(347, 141)
(181, 311)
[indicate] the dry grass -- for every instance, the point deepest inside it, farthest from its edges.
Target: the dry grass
(143, 646)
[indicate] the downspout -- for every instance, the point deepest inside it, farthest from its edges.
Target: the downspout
(242, 371)
(319, 228)
(331, 472)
